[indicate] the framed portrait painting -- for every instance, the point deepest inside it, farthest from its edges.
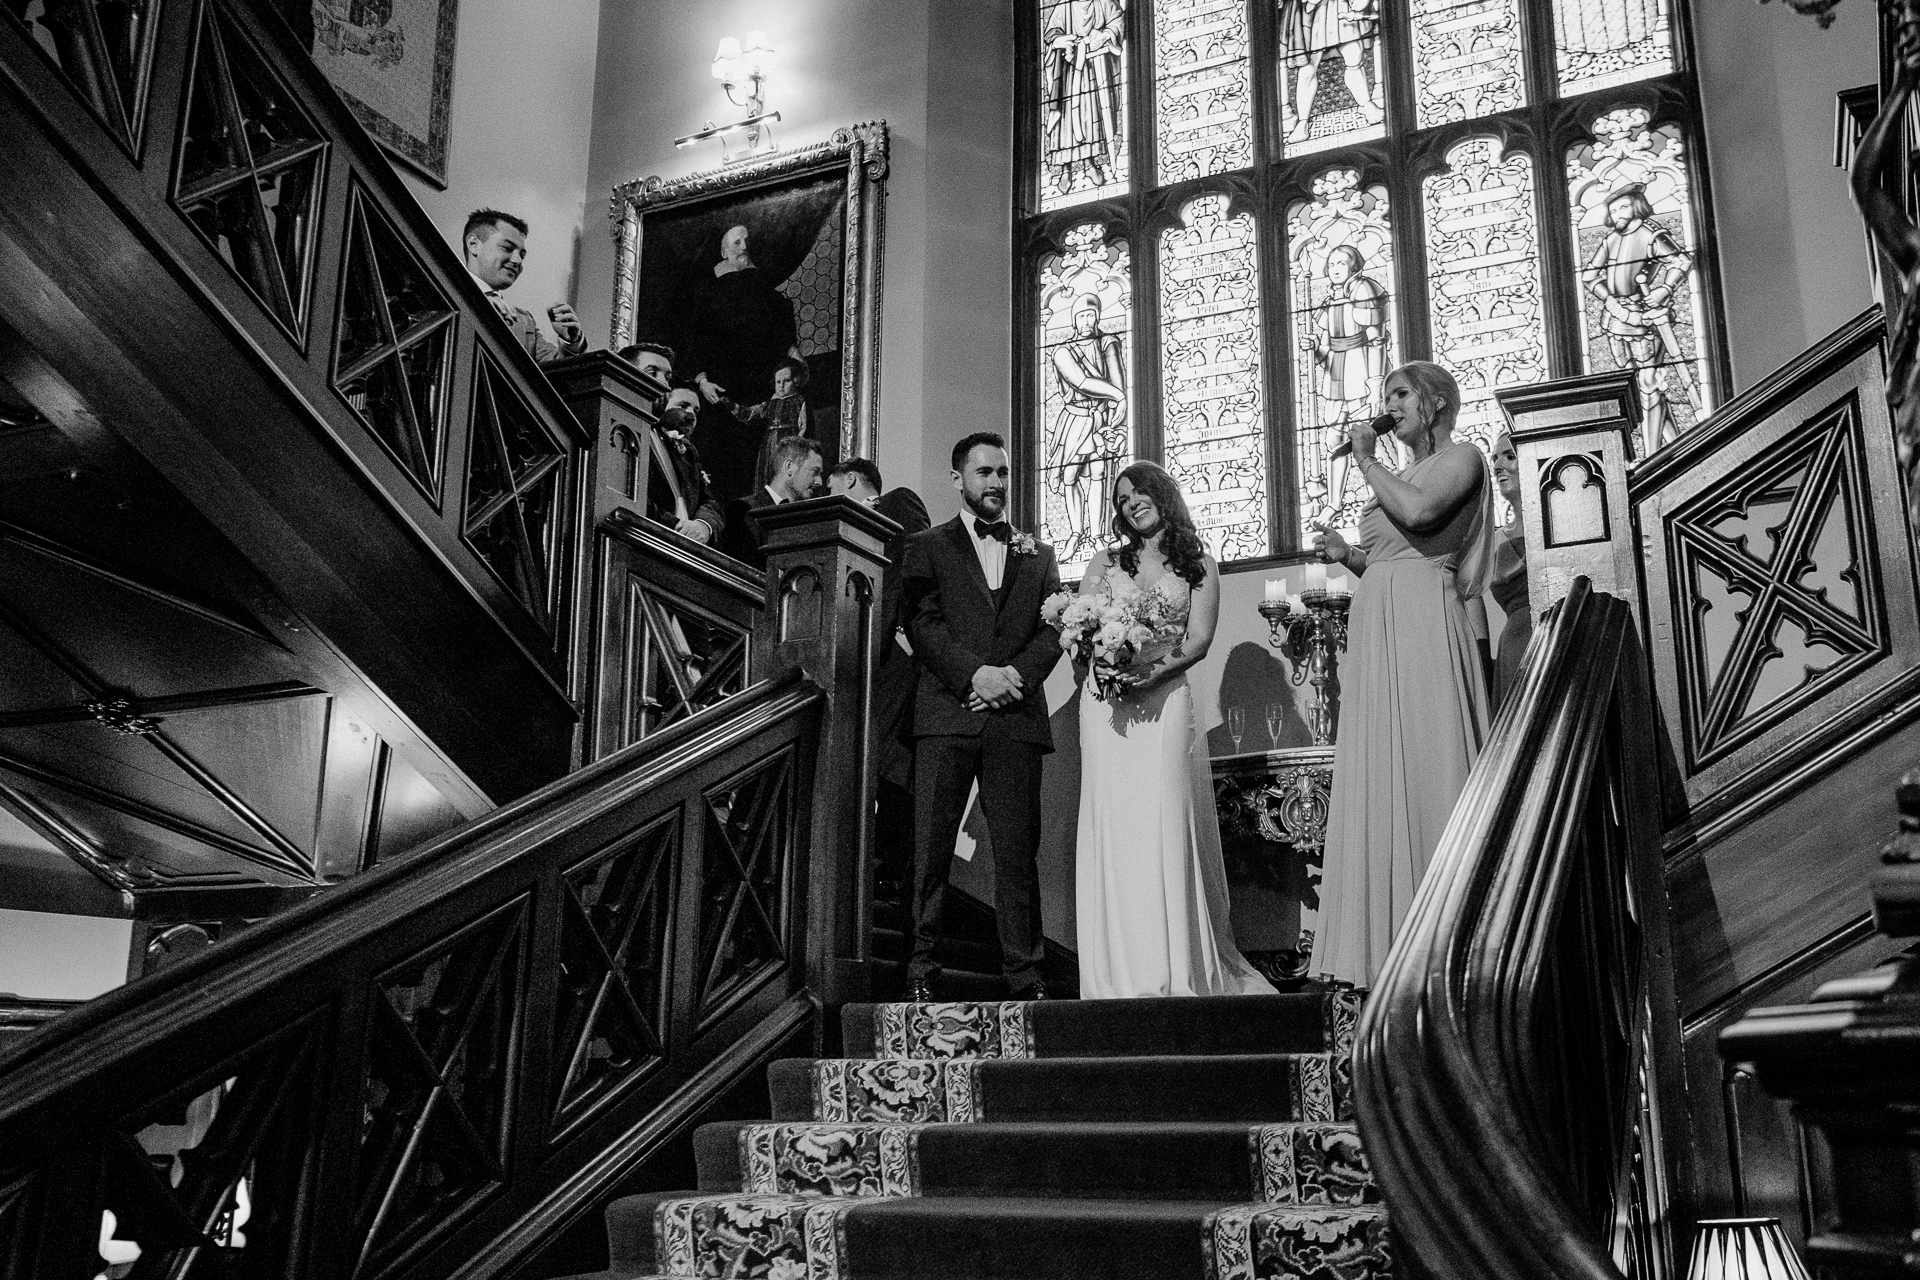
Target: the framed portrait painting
(392, 62)
(764, 280)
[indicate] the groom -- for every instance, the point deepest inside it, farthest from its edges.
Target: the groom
(971, 596)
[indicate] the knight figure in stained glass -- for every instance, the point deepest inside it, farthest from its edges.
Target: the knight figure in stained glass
(1310, 31)
(1633, 275)
(1342, 256)
(1628, 190)
(1092, 422)
(1084, 43)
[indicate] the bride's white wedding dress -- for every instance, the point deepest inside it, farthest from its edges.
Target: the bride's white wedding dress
(1150, 884)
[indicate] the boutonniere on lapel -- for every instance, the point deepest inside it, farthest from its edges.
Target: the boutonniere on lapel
(1022, 544)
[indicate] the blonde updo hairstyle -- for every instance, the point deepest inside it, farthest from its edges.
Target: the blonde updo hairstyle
(1438, 392)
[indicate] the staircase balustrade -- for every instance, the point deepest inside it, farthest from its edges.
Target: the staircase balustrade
(451, 1049)
(1516, 1057)
(203, 240)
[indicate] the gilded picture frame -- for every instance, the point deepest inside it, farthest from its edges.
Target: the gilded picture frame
(838, 188)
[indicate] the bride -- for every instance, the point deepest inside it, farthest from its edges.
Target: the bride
(1150, 886)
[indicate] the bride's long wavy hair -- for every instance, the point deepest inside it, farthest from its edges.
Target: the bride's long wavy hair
(1179, 541)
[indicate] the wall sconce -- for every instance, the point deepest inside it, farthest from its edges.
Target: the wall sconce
(741, 66)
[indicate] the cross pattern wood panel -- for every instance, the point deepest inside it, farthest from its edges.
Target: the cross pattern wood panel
(516, 476)
(249, 170)
(1783, 603)
(392, 354)
(207, 1181)
(433, 1141)
(745, 906)
(1780, 587)
(683, 659)
(105, 49)
(610, 1014)
(168, 743)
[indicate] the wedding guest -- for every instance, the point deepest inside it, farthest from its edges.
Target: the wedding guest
(796, 467)
(1509, 584)
(1413, 694)
(894, 678)
(677, 492)
(652, 358)
(495, 245)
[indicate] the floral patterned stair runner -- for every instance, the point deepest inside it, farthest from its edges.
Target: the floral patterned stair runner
(1315, 1210)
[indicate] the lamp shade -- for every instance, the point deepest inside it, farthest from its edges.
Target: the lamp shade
(1744, 1249)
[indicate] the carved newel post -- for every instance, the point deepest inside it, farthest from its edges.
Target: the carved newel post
(1575, 440)
(825, 561)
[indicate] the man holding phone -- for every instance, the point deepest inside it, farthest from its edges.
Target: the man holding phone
(495, 246)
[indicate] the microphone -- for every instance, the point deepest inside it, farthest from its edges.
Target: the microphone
(1382, 425)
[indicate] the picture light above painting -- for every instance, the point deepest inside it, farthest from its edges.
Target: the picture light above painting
(737, 269)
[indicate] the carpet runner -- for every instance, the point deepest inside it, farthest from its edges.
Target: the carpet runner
(1202, 1138)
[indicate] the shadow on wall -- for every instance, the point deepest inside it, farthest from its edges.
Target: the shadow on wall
(1255, 675)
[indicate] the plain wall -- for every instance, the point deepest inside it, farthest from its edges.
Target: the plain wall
(44, 956)
(1792, 254)
(940, 73)
(523, 79)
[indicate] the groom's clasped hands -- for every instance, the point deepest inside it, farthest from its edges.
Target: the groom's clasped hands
(994, 688)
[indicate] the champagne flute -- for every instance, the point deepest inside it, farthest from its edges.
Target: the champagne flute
(1236, 726)
(1276, 712)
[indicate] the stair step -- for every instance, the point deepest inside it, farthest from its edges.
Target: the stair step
(951, 953)
(959, 1238)
(1203, 1025)
(1291, 1163)
(1260, 1088)
(890, 977)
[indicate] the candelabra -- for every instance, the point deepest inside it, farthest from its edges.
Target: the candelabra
(1311, 628)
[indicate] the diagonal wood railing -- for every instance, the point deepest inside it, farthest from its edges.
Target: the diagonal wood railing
(1510, 1064)
(450, 1055)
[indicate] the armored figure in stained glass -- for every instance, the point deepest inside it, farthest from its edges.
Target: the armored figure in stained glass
(1093, 379)
(1635, 273)
(1083, 45)
(1347, 345)
(1309, 31)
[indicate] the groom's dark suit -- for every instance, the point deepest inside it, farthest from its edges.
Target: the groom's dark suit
(957, 626)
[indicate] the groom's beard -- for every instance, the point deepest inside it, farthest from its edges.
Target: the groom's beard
(999, 510)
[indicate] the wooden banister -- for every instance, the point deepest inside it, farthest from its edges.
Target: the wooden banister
(453, 1050)
(1517, 1050)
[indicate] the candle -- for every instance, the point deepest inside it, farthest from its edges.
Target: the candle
(1340, 584)
(1276, 589)
(1294, 604)
(1316, 577)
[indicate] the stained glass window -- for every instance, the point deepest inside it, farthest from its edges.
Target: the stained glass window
(1602, 43)
(1633, 231)
(1216, 435)
(1340, 282)
(1330, 86)
(1084, 87)
(1086, 372)
(1466, 59)
(1204, 100)
(1295, 196)
(1483, 279)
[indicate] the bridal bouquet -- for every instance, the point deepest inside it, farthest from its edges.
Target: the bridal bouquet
(1113, 628)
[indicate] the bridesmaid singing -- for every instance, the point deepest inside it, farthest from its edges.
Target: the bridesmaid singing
(1413, 707)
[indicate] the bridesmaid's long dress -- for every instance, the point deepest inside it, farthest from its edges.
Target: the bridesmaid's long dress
(1509, 591)
(1413, 715)
(1150, 886)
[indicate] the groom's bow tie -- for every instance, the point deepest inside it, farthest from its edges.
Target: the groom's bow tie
(1000, 532)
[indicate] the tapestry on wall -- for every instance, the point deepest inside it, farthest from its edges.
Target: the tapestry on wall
(392, 62)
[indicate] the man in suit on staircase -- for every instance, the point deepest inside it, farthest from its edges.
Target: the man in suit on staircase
(971, 599)
(677, 492)
(495, 247)
(797, 463)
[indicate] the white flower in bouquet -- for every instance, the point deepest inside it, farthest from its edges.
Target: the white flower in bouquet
(1111, 637)
(1139, 635)
(1055, 608)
